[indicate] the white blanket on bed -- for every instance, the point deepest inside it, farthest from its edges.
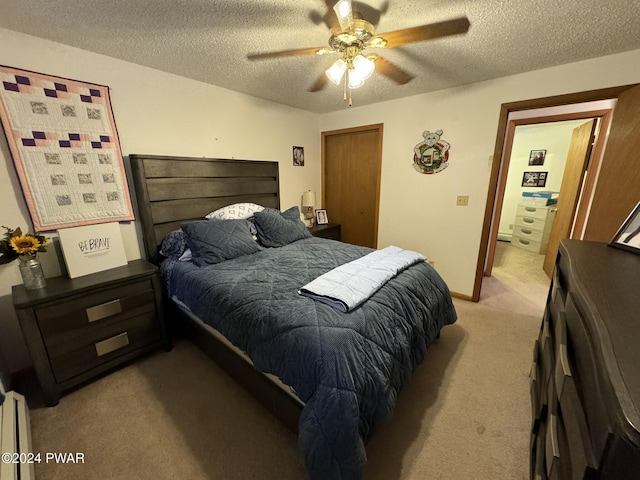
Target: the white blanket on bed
(347, 286)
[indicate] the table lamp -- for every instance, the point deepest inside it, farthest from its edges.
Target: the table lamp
(308, 206)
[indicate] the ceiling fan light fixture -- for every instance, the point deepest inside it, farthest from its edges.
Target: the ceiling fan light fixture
(344, 13)
(336, 71)
(363, 67)
(355, 81)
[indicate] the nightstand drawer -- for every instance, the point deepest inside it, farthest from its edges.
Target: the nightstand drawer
(102, 345)
(85, 312)
(76, 329)
(331, 231)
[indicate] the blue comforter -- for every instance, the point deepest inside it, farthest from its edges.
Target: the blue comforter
(347, 367)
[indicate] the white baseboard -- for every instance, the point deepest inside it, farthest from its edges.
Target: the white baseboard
(15, 436)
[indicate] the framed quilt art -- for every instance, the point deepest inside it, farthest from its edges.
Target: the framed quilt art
(64, 143)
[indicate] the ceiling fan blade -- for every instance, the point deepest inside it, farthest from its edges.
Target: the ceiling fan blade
(319, 84)
(344, 13)
(288, 53)
(392, 71)
(398, 38)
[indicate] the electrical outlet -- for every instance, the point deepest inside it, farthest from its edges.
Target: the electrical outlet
(511, 226)
(462, 200)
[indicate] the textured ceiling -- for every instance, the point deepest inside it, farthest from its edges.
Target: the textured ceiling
(208, 40)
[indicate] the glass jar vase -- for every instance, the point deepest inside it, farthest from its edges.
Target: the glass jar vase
(31, 272)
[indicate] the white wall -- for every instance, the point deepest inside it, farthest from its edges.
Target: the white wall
(418, 211)
(155, 113)
(555, 138)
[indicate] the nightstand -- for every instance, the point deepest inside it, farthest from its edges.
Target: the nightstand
(331, 231)
(76, 329)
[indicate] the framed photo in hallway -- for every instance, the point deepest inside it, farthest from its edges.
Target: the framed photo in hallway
(534, 179)
(536, 157)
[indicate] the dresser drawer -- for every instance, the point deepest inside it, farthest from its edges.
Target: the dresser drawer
(103, 345)
(527, 244)
(530, 223)
(545, 352)
(529, 234)
(531, 211)
(82, 312)
(572, 412)
(556, 453)
(585, 374)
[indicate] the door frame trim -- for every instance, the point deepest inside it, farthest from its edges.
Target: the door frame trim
(498, 169)
(377, 127)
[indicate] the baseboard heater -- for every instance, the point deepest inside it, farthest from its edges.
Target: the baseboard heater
(15, 439)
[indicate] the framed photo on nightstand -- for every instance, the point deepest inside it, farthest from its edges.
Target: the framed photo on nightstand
(321, 217)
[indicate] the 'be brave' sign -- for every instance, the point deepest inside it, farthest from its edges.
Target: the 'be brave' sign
(95, 246)
(92, 248)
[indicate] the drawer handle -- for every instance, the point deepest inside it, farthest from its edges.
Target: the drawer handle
(111, 344)
(528, 220)
(104, 310)
(533, 373)
(530, 209)
(553, 446)
(526, 231)
(524, 242)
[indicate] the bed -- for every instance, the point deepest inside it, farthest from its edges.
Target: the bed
(338, 373)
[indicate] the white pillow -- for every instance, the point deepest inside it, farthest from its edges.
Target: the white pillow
(237, 211)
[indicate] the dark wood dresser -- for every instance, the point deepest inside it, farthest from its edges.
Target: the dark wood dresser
(332, 231)
(78, 328)
(585, 377)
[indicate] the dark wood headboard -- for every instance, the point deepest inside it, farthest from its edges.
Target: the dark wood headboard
(174, 190)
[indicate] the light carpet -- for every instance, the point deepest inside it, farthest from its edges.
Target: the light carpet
(465, 415)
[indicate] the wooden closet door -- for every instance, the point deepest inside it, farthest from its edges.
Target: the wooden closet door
(351, 182)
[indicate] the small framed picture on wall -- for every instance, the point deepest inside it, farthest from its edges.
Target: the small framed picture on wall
(536, 157)
(298, 156)
(534, 179)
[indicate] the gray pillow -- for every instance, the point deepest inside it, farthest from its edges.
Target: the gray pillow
(276, 229)
(213, 242)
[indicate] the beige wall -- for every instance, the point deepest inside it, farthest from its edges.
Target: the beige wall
(155, 113)
(159, 113)
(418, 211)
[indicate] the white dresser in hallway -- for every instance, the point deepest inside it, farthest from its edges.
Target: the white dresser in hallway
(532, 227)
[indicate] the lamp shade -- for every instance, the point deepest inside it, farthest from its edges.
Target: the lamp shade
(362, 69)
(335, 72)
(363, 66)
(309, 199)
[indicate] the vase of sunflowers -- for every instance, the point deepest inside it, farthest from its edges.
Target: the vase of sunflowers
(25, 248)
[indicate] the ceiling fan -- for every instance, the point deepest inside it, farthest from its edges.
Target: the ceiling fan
(351, 35)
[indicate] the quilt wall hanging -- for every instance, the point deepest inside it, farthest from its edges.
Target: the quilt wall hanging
(432, 154)
(64, 144)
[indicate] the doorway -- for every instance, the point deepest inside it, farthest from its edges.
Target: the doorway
(538, 172)
(351, 169)
(517, 111)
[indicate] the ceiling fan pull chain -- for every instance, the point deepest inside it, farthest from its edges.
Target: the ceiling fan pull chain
(344, 94)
